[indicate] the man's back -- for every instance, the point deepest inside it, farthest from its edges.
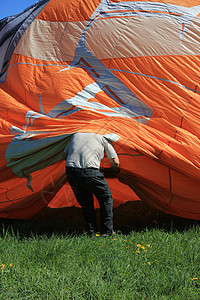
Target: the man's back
(86, 150)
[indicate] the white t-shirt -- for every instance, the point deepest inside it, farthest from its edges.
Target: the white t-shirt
(86, 150)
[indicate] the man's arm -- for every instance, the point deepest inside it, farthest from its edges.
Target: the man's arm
(112, 155)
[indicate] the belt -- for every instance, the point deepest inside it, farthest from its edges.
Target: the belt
(75, 168)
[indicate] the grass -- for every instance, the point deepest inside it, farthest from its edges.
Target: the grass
(152, 263)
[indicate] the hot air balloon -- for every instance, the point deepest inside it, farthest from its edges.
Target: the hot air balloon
(128, 70)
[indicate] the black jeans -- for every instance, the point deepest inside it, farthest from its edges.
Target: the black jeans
(88, 182)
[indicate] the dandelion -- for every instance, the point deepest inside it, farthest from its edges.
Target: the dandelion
(149, 263)
(2, 266)
(195, 278)
(97, 234)
(10, 265)
(114, 239)
(148, 245)
(138, 252)
(138, 245)
(143, 247)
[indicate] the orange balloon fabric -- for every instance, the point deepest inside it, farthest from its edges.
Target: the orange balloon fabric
(128, 70)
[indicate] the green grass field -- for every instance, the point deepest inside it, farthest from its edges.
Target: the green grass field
(151, 263)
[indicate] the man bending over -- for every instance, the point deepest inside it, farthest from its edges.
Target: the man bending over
(83, 156)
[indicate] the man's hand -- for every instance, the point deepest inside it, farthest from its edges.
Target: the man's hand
(115, 164)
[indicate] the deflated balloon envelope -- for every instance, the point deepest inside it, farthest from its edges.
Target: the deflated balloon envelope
(127, 70)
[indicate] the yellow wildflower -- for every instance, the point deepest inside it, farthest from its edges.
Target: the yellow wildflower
(138, 252)
(2, 266)
(114, 239)
(10, 265)
(149, 263)
(97, 234)
(138, 245)
(143, 247)
(148, 245)
(195, 278)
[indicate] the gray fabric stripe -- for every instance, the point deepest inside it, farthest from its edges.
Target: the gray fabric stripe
(11, 30)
